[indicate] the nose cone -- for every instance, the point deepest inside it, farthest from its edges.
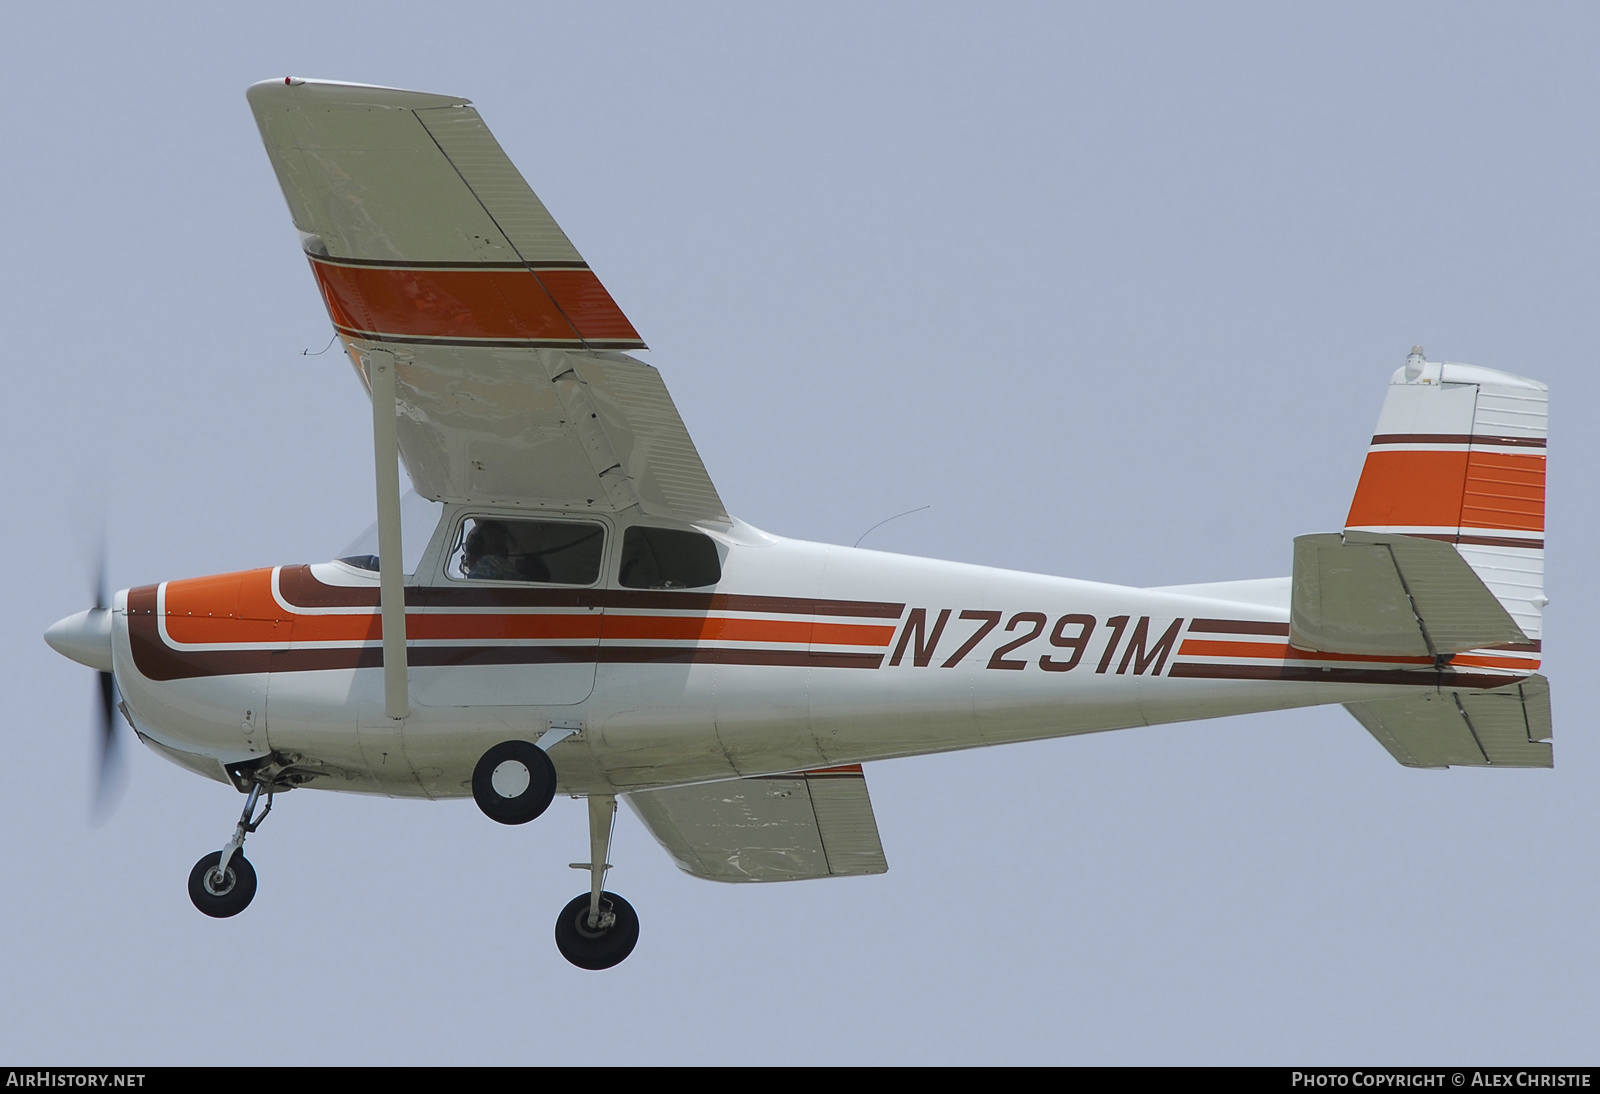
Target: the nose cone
(85, 637)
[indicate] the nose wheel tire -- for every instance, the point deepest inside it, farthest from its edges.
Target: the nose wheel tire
(222, 895)
(597, 948)
(514, 782)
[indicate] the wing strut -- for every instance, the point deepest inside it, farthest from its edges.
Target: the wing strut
(391, 561)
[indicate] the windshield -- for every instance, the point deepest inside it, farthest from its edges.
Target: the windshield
(418, 518)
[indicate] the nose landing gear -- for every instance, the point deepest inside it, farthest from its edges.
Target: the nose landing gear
(223, 883)
(221, 892)
(597, 930)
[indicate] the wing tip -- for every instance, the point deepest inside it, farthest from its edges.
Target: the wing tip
(330, 92)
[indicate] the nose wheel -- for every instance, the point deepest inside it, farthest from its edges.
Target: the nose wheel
(222, 893)
(223, 883)
(597, 930)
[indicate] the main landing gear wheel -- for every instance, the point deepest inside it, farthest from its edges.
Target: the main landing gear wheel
(220, 895)
(603, 945)
(514, 782)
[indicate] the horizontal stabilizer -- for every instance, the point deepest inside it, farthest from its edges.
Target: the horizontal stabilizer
(1507, 727)
(776, 828)
(1376, 593)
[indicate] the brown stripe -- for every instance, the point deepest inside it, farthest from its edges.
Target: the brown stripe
(1458, 438)
(493, 343)
(1237, 626)
(484, 343)
(1479, 541)
(849, 771)
(1301, 674)
(733, 602)
(407, 264)
(371, 657)
(301, 589)
(704, 655)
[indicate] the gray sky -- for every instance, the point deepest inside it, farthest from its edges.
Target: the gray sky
(1114, 288)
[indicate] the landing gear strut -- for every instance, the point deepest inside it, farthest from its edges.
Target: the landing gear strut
(223, 883)
(598, 929)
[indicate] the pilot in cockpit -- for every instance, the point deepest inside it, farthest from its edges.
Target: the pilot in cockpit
(486, 554)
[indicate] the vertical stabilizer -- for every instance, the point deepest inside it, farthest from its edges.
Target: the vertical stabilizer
(1459, 456)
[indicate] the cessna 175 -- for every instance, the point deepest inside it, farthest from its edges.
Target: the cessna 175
(588, 619)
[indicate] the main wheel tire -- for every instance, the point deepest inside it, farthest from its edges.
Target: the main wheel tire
(602, 949)
(221, 897)
(514, 782)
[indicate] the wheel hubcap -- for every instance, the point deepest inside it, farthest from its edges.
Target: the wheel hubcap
(216, 884)
(599, 930)
(511, 779)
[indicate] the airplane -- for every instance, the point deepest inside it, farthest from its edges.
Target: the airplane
(586, 618)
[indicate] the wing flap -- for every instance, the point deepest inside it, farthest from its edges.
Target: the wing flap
(1506, 727)
(559, 429)
(780, 828)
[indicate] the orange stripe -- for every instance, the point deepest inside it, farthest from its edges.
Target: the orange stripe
(715, 628)
(1481, 661)
(1199, 647)
(235, 607)
(587, 305)
(226, 629)
(1504, 491)
(501, 626)
(1282, 651)
(1202, 647)
(1409, 488)
(505, 305)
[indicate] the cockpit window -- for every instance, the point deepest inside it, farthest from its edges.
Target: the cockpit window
(665, 558)
(547, 552)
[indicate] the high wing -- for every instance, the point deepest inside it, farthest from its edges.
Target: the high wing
(428, 246)
(774, 828)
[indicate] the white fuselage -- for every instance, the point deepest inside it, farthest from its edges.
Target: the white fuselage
(805, 655)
